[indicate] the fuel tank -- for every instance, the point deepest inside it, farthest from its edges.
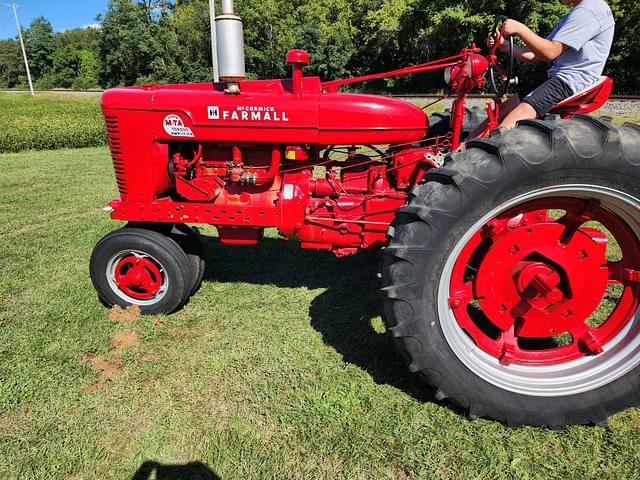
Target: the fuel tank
(267, 111)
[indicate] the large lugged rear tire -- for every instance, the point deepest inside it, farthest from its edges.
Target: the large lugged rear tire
(440, 122)
(511, 282)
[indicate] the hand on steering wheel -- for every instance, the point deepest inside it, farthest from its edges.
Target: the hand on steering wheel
(500, 78)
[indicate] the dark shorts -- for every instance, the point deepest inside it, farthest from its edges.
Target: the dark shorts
(544, 92)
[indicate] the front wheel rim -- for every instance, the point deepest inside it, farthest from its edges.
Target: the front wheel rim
(137, 277)
(599, 362)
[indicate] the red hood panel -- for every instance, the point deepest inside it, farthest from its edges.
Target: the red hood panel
(266, 111)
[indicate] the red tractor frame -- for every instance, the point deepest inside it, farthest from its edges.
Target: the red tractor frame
(510, 264)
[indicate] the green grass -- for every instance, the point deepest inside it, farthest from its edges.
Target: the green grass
(277, 368)
(50, 121)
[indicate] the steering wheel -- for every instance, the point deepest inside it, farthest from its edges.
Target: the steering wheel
(505, 78)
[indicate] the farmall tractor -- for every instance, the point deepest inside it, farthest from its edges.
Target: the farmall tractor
(510, 264)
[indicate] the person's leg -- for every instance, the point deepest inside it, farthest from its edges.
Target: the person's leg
(505, 109)
(523, 111)
(539, 102)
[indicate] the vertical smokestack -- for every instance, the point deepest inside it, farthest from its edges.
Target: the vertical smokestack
(230, 44)
(227, 7)
(214, 46)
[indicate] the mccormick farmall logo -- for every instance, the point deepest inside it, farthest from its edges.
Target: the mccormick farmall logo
(247, 113)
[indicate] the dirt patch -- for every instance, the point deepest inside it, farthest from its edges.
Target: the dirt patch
(176, 332)
(151, 356)
(147, 383)
(156, 323)
(123, 340)
(109, 368)
(105, 369)
(131, 314)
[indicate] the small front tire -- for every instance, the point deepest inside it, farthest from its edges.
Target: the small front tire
(191, 244)
(134, 266)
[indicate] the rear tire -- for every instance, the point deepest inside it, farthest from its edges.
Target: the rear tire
(440, 122)
(444, 271)
(134, 266)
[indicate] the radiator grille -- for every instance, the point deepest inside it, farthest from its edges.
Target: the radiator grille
(115, 145)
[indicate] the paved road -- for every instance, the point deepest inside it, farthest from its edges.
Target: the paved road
(59, 92)
(612, 107)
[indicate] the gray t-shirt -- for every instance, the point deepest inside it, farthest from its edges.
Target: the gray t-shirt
(587, 30)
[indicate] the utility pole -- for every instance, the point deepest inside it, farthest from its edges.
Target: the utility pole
(214, 45)
(24, 52)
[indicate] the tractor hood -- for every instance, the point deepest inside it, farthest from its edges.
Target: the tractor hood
(267, 111)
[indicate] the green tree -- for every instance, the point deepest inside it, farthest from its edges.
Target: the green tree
(73, 67)
(79, 39)
(12, 71)
(325, 30)
(193, 35)
(166, 64)
(65, 67)
(270, 31)
(87, 71)
(169, 41)
(126, 47)
(40, 46)
(625, 55)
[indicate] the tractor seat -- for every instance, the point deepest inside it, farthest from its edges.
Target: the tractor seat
(586, 101)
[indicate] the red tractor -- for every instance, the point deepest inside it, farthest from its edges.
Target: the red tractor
(510, 265)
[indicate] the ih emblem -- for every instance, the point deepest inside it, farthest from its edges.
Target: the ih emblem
(214, 113)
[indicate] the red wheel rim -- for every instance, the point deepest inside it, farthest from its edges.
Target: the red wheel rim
(527, 277)
(138, 277)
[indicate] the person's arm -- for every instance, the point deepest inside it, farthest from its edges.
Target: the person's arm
(542, 50)
(522, 53)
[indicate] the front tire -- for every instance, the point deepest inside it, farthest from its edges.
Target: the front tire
(135, 266)
(191, 244)
(512, 277)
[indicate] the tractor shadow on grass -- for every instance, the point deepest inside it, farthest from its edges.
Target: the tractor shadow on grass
(342, 314)
(187, 471)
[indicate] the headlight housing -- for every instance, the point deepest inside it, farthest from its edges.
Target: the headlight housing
(477, 66)
(451, 75)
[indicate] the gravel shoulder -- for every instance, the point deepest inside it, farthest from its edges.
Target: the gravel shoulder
(612, 107)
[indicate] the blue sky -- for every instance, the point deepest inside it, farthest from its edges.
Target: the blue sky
(63, 14)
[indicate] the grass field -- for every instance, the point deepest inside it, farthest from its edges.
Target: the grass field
(50, 121)
(277, 368)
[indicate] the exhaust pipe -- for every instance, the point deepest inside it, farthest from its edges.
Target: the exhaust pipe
(227, 7)
(230, 46)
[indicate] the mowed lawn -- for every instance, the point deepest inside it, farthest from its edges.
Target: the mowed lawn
(277, 368)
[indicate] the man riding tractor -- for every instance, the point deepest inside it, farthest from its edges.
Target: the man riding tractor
(578, 48)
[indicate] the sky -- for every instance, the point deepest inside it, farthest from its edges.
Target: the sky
(63, 14)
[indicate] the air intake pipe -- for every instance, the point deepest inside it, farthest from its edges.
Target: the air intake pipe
(230, 46)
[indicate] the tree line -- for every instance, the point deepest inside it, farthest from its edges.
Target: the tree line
(161, 41)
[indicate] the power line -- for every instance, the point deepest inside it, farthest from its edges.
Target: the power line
(24, 51)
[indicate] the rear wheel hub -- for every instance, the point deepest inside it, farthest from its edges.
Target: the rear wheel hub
(537, 283)
(526, 284)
